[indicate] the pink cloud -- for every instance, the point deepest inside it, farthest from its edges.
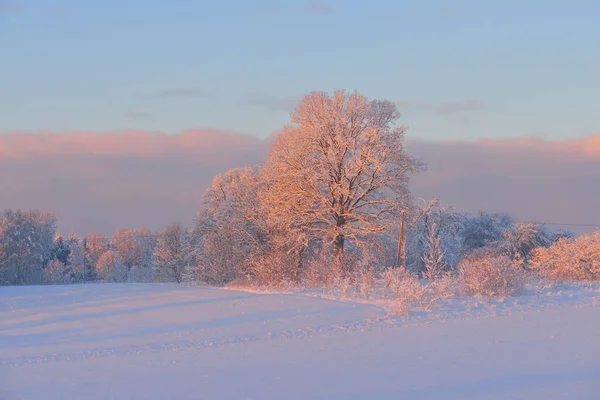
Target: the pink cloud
(98, 182)
(23, 145)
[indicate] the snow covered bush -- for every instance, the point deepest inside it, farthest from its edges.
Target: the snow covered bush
(409, 291)
(276, 267)
(319, 270)
(570, 259)
(485, 273)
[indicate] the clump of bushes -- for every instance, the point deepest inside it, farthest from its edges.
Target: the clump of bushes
(570, 259)
(488, 274)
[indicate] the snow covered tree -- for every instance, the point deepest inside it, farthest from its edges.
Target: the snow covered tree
(522, 238)
(55, 273)
(483, 229)
(171, 255)
(26, 242)
(111, 268)
(230, 227)
(146, 243)
(124, 242)
(60, 250)
(76, 262)
(340, 172)
(94, 245)
(136, 250)
(434, 239)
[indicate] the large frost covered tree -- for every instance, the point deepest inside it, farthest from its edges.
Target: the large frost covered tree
(339, 173)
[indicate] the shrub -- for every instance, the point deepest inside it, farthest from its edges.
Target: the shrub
(490, 275)
(319, 270)
(408, 290)
(570, 259)
(275, 268)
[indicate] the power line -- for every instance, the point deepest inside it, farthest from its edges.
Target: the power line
(564, 224)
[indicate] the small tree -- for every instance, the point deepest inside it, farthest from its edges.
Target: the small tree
(55, 273)
(111, 268)
(484, 229)
(136, 250)
(76, 261)
(231, 227)
(340, 172)
(94, 245)
(60, 250)
(522, 239)
(171, 254)
(434, 239)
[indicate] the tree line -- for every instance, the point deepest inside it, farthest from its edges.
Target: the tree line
(325, 205)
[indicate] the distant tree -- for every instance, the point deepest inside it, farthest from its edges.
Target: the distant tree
(26, 242)
(171, 255)
(55, 273)
(60, 250)
(136, 250)
(76, 261)
(522, 238)
(124, 242)
(111, 268)
(94, 245)
(340, 172)
(483, 229)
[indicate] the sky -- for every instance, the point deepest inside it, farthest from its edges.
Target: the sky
(130, 107)
(458, 69)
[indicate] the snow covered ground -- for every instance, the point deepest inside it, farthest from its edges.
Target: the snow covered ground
(144, 341)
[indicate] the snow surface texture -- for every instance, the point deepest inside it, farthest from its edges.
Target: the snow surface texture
(144, 341)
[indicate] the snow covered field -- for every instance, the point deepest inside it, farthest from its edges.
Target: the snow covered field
(144, 341)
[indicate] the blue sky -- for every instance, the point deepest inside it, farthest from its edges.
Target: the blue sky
(458, 69)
